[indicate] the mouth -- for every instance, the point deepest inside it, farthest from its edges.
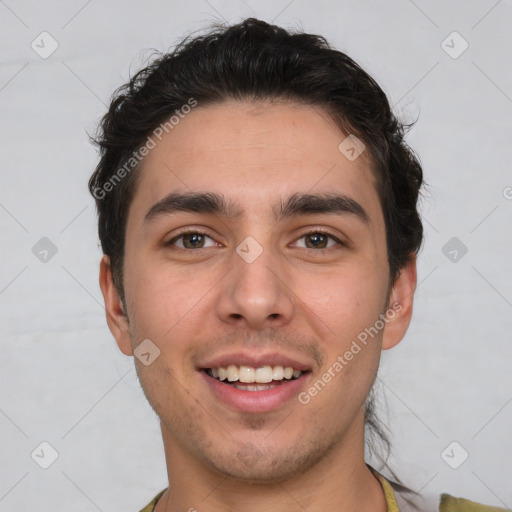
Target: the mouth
(255, 389)
(248, 378)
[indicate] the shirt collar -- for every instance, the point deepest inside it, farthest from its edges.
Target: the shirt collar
(392, 505)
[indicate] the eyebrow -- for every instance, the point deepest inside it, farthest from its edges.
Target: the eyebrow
(218, 204)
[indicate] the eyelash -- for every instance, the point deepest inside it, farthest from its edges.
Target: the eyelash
(313, 232)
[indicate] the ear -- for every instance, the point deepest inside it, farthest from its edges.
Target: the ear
(400, 303)
(116, 318)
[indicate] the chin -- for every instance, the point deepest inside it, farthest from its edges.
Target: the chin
(263, 474)
(250, 465)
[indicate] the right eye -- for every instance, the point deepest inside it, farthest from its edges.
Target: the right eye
(190, 240)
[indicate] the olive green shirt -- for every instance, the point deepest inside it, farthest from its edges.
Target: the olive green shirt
(447, 503)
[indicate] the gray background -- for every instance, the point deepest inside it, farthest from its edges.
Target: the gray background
(63, 380)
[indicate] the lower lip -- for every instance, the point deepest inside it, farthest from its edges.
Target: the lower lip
(256, 401)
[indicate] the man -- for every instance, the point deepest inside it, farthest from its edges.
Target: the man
(258, 217)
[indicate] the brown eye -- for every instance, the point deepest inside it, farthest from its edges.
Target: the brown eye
(191, 240)
(318, 240)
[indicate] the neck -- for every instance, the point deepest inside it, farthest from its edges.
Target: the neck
(340, 480)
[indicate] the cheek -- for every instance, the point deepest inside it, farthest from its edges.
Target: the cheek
(160, 295)
(349, 307)
(348, 303)
(346, 300)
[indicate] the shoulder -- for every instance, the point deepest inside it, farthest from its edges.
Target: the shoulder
(150, 507)
(451, 504)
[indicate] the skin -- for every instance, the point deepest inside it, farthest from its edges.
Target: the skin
(310, 303)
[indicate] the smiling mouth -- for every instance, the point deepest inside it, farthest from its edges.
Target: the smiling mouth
(248, 378)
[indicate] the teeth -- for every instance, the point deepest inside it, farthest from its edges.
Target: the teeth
(253, 388)
(232, 373)
(265, 374)
(248, 374)
(278, 373)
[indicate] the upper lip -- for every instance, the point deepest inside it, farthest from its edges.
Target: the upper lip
(254, 360)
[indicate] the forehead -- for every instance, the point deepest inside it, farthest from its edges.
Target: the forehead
(258, 153)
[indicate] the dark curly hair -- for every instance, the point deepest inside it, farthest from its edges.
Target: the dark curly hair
(255, 61)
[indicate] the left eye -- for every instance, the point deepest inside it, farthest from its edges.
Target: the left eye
(318, 240)
(197, 240)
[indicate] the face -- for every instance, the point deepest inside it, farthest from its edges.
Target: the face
(267, 282)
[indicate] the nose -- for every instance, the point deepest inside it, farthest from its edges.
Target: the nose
(256, 295)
